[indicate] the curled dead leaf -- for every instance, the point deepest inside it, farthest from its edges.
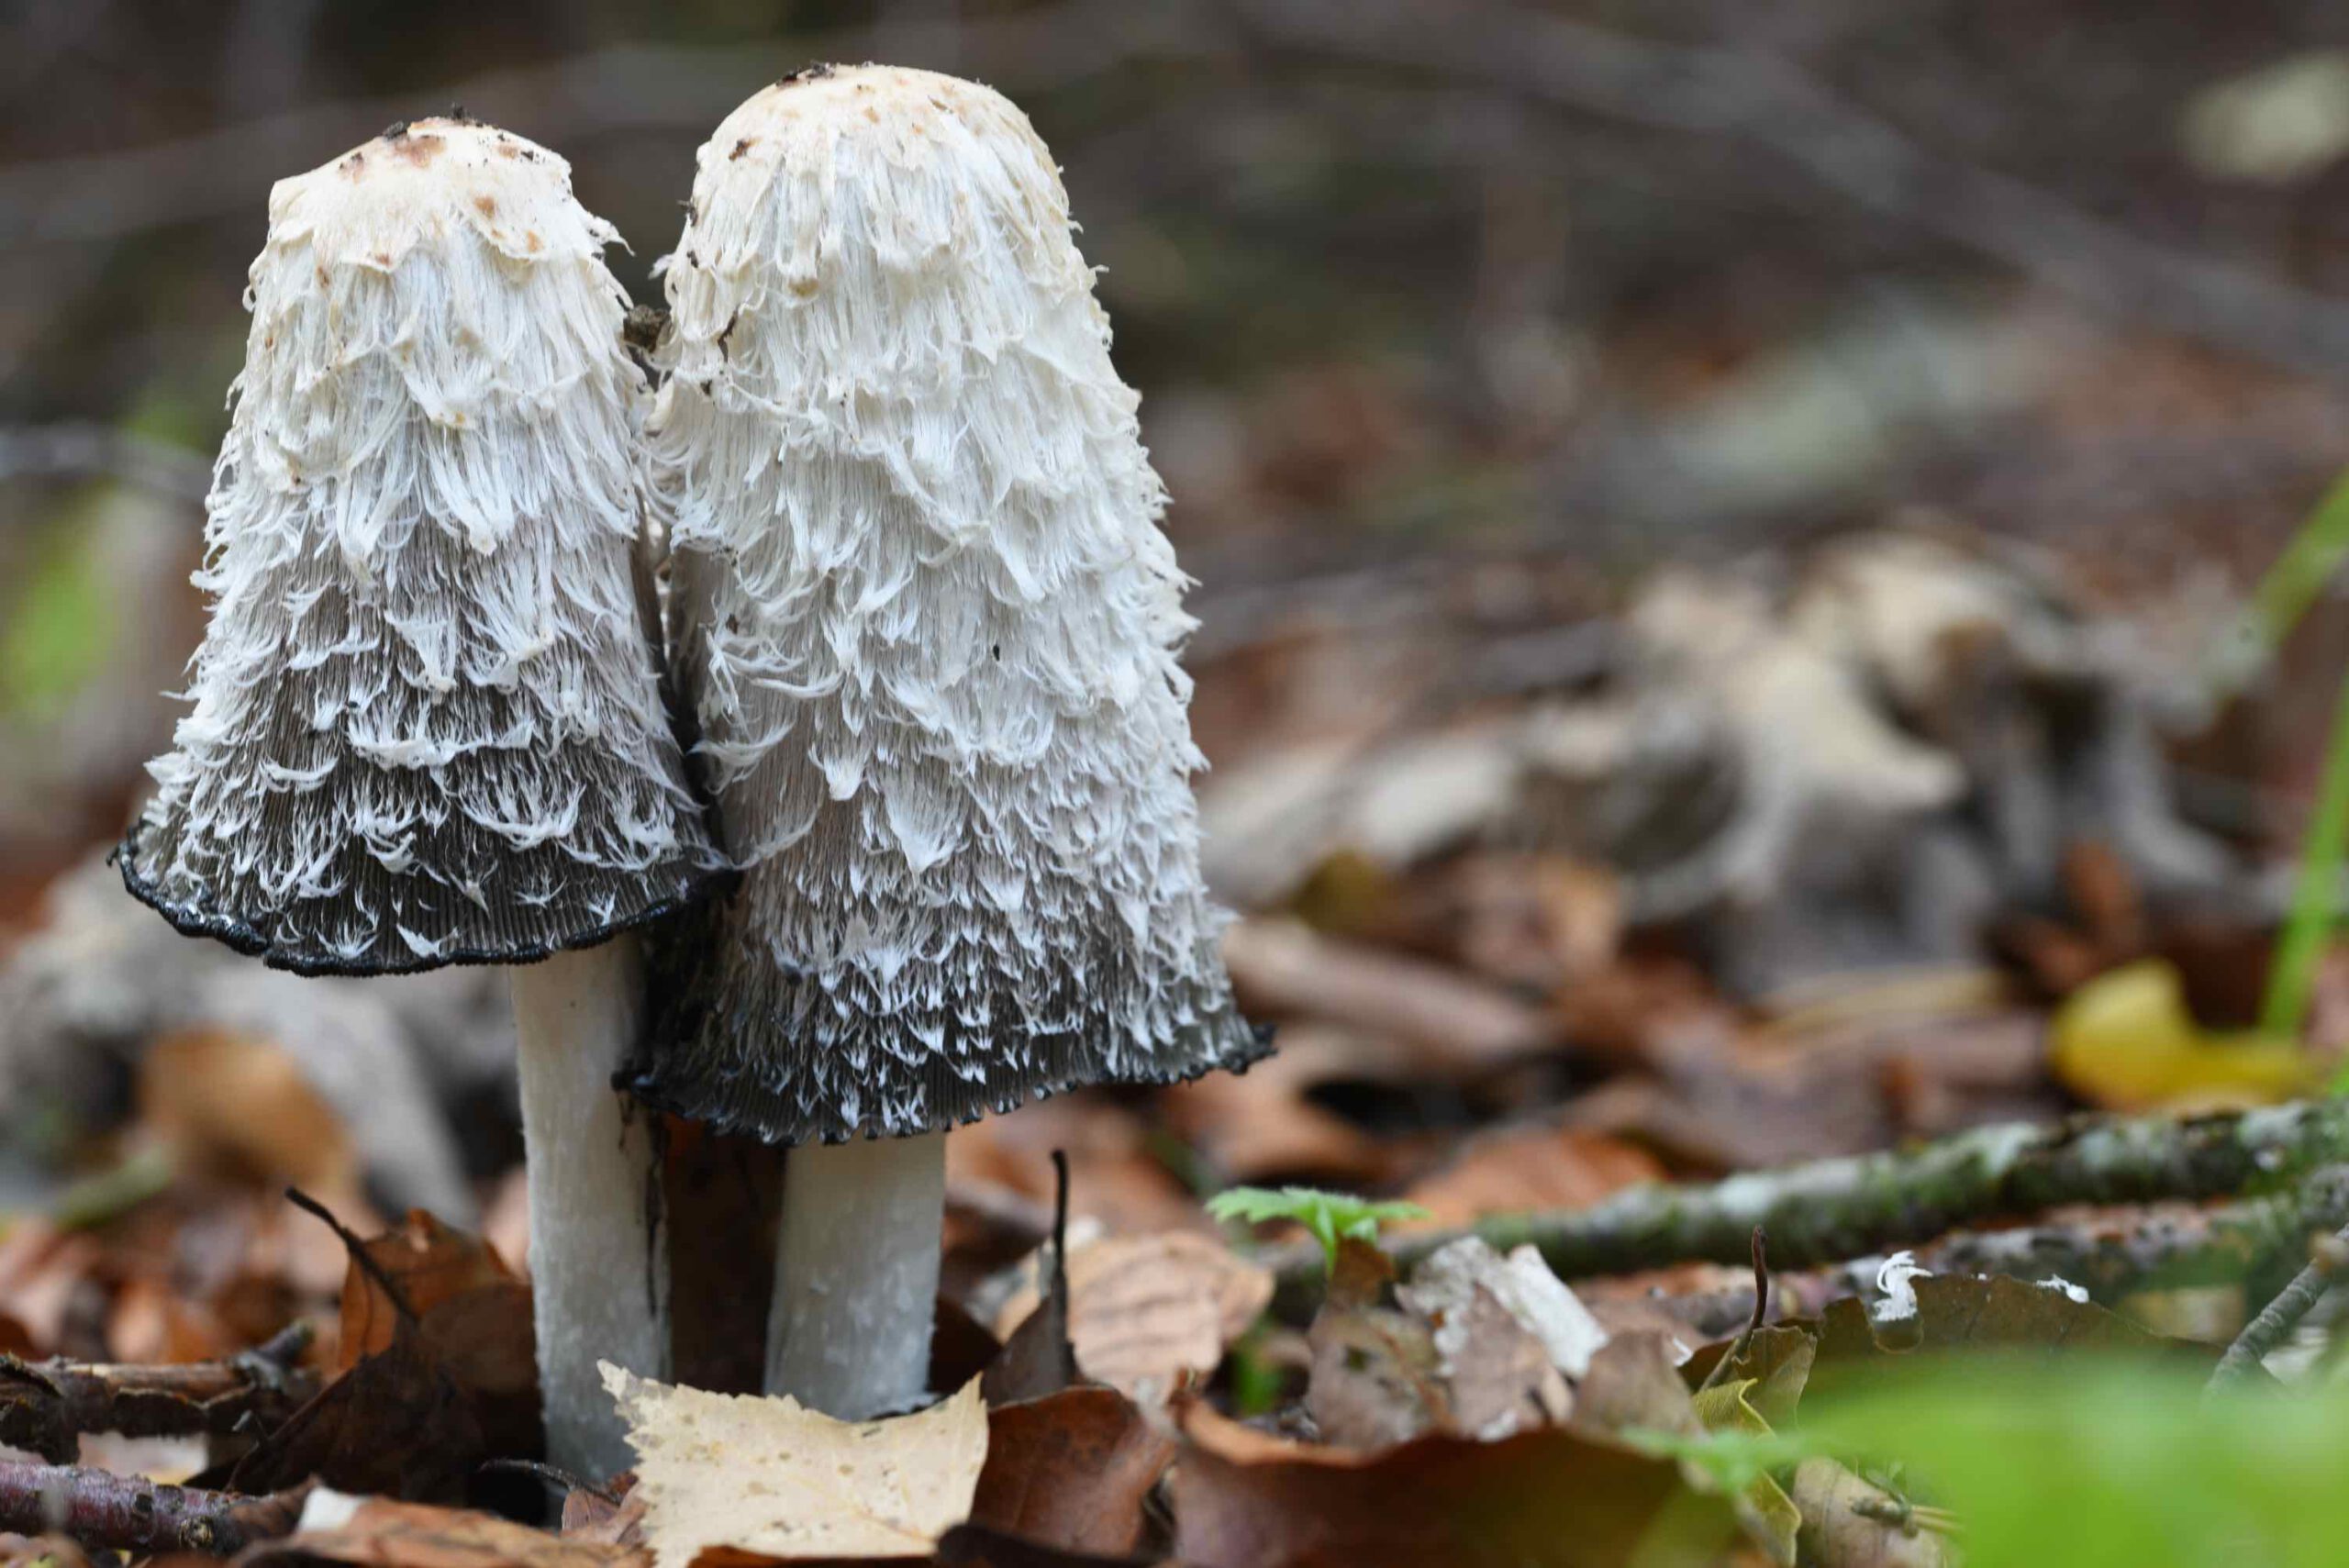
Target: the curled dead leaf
(1146, 1312)
(1552, 1498)
(1071, 1471)
(768, 1478)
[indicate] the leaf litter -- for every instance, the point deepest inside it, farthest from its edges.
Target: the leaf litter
(1589, 973)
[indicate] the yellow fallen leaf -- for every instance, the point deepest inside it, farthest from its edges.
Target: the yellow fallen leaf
(771, 1477)
(2126, 1042)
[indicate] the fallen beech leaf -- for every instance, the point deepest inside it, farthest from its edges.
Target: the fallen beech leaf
(1283, 969)
(977, 1546)
(768, 1478)
(1259, 1125)
(1770, 1513)
(1114, 1177)
(593, 1515)
(231, 1104)
(1374, 1379)
(1070, 1470)
(1521, 1284)
(1508, 1333)
(1835, 1534)
(1499, 1380)
(395, 1425)
(1973, 1314)
(473, 1318)
(1634, 1383)
(1523, 1169)
(43, 1271)
(152, 1323)
(381, 1534)
(1147, 1311)
(1776, 1362)
(432, 1263)
(1553, 1498)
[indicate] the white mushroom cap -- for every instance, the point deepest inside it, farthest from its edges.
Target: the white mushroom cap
(427, 723)
(927, 622)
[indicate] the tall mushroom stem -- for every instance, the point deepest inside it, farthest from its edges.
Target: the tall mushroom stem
(856, 1275)
(599, 1276)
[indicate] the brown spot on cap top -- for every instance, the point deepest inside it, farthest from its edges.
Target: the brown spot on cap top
(530, 239)
(485, 204)
(418, 150)
(741, 147)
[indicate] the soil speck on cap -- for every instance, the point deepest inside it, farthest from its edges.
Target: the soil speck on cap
(394, 131)
(817, 73)
(741, 147)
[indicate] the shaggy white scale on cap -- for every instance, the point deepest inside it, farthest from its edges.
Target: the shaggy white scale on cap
(927, 621)
(427, 726)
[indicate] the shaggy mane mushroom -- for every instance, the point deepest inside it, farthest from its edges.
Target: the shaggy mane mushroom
(427, 726)
(927, 624)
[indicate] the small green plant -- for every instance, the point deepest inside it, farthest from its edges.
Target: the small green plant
(1331, 1216)
(2283, 595)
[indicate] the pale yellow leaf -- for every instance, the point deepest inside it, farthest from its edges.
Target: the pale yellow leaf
(768, 1476)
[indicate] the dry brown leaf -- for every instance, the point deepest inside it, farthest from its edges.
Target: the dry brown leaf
(1113, 1175)
(432, 1264)
(43, 1272)
(151, 1322)
(1070, 1470)
(1282, 968)
(1146, 1311)
(1259, 1125)
(594, 1516)
(1553, 1498)
(1836, 1534)
(229, 1104)
(1537, 921)
(1374, 1379)
(381, 1534)
(1529, 1168)
(766, 1476)
(1503, 1381)
(396, 1425)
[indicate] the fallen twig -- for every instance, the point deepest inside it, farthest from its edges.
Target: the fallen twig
(2275, 1320)
(129, 1513)
(2112, 1255)
(1753, 1319)
(1833, 1210)
(45, 1406)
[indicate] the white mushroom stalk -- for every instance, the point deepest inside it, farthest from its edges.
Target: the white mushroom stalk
(427, 725)
(927, 622)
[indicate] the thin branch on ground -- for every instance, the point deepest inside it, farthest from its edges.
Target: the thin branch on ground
(1833, 1210)
(2110, 1253)
(45, 1406)
(2278, 1317)
(98, 1509)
